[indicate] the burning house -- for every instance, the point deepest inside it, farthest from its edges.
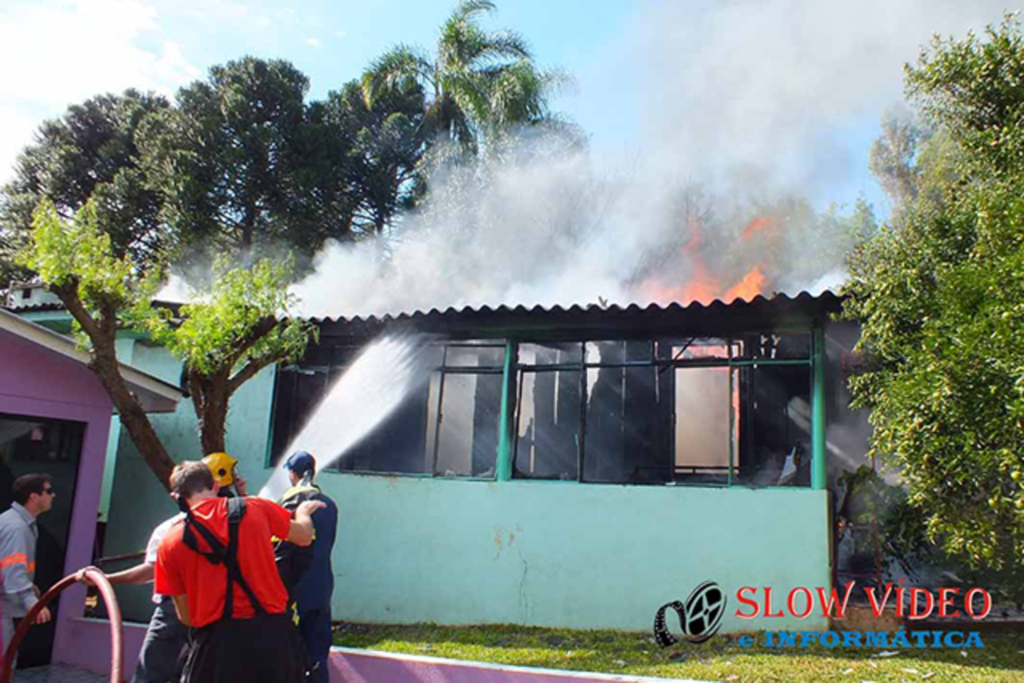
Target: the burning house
(571, 467)
(578, 467)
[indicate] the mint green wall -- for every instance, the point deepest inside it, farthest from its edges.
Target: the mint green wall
(463, 552)
(565, 554)
(537, 553)
(138, 502)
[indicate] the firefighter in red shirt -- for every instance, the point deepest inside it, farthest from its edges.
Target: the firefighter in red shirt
(218, 566)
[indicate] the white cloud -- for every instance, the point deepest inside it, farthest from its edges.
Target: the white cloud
(341, 34)
(314, 42)
(17, 130)
(69, 51)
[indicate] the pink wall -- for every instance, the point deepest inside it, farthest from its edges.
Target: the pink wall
(92, 642)
(366, 666)
(41, 383)
(90, 649)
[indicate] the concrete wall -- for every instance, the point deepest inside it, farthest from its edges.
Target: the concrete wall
(565, 554)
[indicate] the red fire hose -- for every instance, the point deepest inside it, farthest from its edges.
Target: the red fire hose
(113, 610)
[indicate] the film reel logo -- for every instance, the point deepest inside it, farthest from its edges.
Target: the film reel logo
(700, 616)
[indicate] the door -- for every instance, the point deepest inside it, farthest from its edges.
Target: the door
(30, 444)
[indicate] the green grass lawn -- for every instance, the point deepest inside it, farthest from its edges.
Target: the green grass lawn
(720, 659)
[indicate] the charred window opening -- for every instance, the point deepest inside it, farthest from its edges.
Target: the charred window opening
(447, 426)
(465, 410)
(696, 411)
(714, 411)
(297, 391)
(548, 411)
(627, 418)
(773, 411)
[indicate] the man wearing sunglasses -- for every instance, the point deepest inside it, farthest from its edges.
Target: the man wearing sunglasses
(33, 495)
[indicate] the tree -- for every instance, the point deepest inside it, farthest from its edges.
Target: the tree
(243, 163)
(228, 336)
(893, 156)
(939, 300)
(387, 147)
(478, 83)
(90, 152)
(239, 327)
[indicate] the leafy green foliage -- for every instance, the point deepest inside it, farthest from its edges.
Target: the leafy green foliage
(79, 254)
(893, 156)
(939, 298)
(208, 334)
(889, 526)
(478, 82)
(388, 142)
(236, 328)
(243, 164)
(90, 152)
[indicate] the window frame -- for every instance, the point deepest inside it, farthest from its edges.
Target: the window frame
(731, 362)
(512, 369)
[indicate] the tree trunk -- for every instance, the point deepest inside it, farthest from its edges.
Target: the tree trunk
(211, 406)
(133, 417)
(106, 367)
(248, 228)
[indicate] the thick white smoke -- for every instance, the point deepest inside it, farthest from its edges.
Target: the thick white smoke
(745, 108)
(780, 89)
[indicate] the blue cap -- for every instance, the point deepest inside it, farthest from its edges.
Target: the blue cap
(300, 462)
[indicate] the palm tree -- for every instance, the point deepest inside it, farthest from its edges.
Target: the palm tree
(478, 83)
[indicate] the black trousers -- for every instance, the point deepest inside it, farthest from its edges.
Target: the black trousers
(315, 627)
(264, 649)
(161, 658)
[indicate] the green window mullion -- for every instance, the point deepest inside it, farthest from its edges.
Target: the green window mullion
(503, 469)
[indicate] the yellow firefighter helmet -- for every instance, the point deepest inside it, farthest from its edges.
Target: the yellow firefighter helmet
(222, 466)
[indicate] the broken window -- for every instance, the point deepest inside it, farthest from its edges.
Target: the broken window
(696, 410)
(447, 425)
(627, 416)
(395, 444)
(548, 411)
(297, 392)
(463, 431)
(773, 425)
(689, 410)
(703, 424)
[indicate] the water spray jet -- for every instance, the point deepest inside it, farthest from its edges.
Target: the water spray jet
(369, 390)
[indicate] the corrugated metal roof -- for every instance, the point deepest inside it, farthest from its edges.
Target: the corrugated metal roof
(827, 298)
(33, 308)
(715, 318)
(732, 315)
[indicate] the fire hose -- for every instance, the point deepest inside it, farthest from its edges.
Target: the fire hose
(97, 578)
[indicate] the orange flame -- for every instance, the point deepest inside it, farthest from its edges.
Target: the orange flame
(750, 286)
(755, 226)
(701, 286)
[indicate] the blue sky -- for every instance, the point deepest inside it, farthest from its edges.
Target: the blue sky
(791, 87)
(333, 42)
